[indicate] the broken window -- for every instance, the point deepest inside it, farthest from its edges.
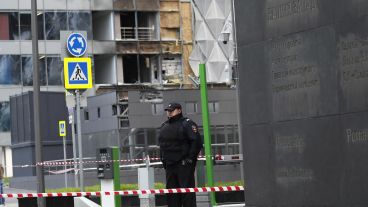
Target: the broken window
(130, 67)
(27, 71)
(80, 21)
(54, 22)
(54, 71)
(140, 68)
(104, 69)
(147, 25)
(144, 24)
(10, 69)
(127, 22)
(25, 26)
(4, 117)
(9, 26)
(172, 69)
(148, 67)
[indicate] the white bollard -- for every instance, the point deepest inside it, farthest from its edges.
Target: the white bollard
(107, 200)
(146, 180)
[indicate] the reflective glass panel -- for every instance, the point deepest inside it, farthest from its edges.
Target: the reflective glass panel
(9, 69)
(54, 22)
(80, 21)
(54, 71)
(4, 117)
(27, 71)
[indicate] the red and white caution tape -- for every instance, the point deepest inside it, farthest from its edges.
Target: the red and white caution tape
(126, 192)
(61, 163)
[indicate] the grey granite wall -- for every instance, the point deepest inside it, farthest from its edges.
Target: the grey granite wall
(303, 82)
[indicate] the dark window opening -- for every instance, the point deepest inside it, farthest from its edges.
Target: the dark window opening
(86, 115)
(98, 112)
(25, 26)
(114, 110)
(130, 67)
(127, 22)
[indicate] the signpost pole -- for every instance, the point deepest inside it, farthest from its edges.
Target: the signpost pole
(79, 134)
(71, 122)
(65, 173)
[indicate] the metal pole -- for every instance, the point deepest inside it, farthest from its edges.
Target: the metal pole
(36, 104)
(116, 168)
(79, 133)
(65, 174)
(206, 129)
(76, 183)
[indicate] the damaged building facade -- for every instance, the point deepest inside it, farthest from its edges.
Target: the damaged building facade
(134, 45)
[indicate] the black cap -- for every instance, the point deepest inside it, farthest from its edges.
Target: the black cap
(172, 106)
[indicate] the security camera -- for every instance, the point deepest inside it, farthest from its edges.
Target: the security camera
(225, 37)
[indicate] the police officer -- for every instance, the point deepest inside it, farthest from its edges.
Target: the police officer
(180, 144)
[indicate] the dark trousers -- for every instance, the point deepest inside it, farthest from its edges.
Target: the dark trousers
(180, 176)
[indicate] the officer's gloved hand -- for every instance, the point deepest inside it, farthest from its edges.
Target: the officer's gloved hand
(186, 161)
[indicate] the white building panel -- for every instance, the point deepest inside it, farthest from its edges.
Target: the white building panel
(55, 4)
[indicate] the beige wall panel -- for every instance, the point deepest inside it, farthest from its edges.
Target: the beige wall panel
(169, 34)
(170, 19)
(187, 70)
(169, 6)
(186, 13)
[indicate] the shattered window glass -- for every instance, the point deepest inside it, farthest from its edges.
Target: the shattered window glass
(9, 70)
(54, 70)
(80, 21)
(54, 22)
(25, 26)
(27, 71)
(4, 117)
(9, 26)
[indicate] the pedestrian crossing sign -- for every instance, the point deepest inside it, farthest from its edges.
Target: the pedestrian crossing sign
(77, 73)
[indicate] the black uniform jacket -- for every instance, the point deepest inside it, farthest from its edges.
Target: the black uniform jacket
(179, 139)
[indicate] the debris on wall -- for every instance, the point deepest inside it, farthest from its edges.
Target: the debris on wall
(172, 69)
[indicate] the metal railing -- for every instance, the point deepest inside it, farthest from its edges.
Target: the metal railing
(144, 33)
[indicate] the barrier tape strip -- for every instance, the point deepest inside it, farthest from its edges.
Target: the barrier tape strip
(126, 192)
(61, 163)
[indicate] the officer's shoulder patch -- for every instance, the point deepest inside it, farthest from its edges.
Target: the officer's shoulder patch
(194, 128)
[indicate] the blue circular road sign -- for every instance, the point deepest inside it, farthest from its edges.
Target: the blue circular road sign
(76, 44)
